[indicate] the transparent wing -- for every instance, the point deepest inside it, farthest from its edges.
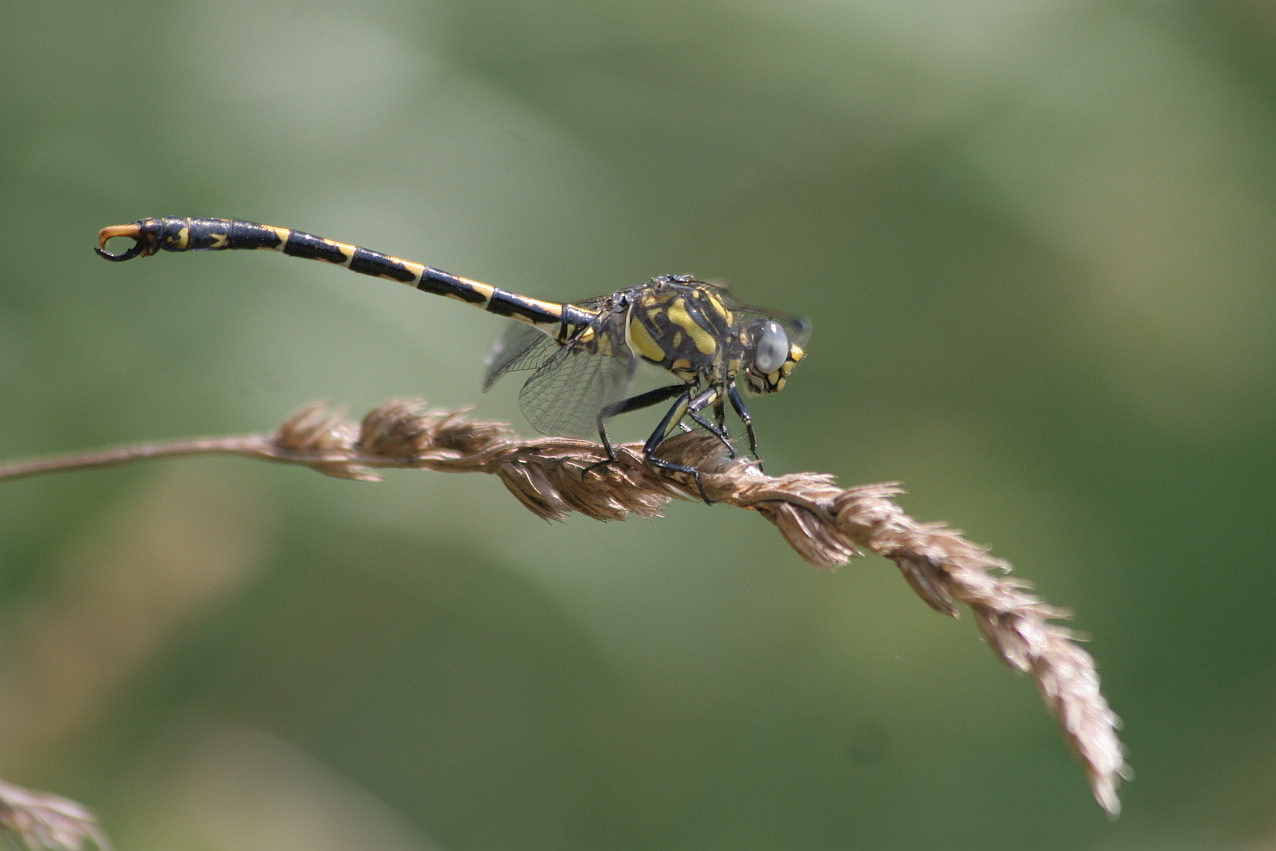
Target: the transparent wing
(565, 394)
(522, 346)
(797, 327)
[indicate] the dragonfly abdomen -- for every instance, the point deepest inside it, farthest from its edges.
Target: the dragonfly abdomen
(213, 234)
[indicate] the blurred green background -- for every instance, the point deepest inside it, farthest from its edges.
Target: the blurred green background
(1037, 241)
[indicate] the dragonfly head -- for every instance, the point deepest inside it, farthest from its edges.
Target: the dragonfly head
(771, 355)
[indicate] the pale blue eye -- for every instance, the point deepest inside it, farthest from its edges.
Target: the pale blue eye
(773, 347)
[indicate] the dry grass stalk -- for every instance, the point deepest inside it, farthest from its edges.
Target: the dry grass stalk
(39, 820)
(826, 524)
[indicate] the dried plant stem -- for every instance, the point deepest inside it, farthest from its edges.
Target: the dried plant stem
(41, 820)
(253, 445)
(826, 524)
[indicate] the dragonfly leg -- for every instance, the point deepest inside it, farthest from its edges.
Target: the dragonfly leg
(737, 403)
(633, 403)
(680, 409)
(716, 429)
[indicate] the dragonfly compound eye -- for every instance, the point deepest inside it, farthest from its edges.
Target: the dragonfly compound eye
(772, 347)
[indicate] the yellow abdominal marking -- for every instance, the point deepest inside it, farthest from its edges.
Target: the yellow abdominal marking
(347, 250)
(482, 289)
(547, 306)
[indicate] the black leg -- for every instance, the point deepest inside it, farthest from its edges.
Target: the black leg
(684, 406)
(634, 403)
(681, 409)
(715, 429)
(738, 404)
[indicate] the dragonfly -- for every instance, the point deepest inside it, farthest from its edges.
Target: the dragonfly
(583, 355)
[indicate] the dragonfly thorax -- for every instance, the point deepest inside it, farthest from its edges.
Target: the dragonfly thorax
(682, 325)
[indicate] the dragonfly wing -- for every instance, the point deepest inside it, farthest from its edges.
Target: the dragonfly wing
(564, 396)
(797, 327)
(522, 346)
